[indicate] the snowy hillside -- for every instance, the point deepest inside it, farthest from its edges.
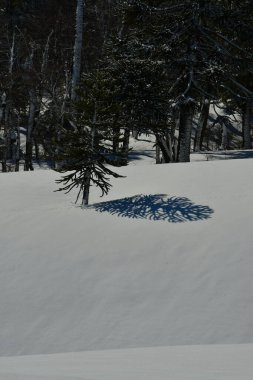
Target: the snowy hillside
(165, 259)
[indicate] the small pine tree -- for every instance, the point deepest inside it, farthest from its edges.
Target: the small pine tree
(86, 149)
(83, 164)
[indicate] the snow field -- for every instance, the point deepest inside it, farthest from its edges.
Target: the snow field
(233, 362)
(139, 269)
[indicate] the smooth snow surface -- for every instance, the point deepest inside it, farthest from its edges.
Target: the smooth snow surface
(233, 362)
(132, 271)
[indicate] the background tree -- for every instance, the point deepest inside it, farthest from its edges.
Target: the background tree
(197, 43)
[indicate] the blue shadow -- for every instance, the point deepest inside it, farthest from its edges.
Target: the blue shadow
(155, 207)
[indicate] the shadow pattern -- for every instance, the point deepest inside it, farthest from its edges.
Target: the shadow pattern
(155, 207)
(231, 154)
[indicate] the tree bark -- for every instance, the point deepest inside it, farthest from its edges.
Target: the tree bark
(29, 140)
(77, 56)
(202, 124)
(157, 152)
(224, 142)
(4, 159)
(86, 187)
(246, 125)
(116, 139)
(17, 158)
(125, 146)
(165, 146)
(185, 129)
(135, 133)
(86, 190)
(37, 149)
(5, 148)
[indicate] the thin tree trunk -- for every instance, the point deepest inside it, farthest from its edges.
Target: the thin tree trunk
(64, 106)
(3, 107)
(202, 124)
(29, 140)
(2, 121)
(13, 146)
(4, 159)
(175, 150)
(12, 51)
(6, 107)
(169, 147)
(5, 119)
(77, 57)
(45, 54)
(86, 188)
(37, 149)
(135, 133)
(224, 142)
(67, 87)
(115, 139)
(125, 146)
(17, 158)
(157, 152)
(165, 146)
(185, 129)
(246, 126)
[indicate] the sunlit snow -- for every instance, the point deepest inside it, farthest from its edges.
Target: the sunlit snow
(153, 281)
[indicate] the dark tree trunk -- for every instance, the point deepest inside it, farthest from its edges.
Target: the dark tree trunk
(202, 125)
(86, 185)
(77, 48)
(86, 190)
(135, 133)
(17, 158)
(37, 150)
(5, 115)
(4, 159)
(29, 138)
(28, 157)
(246, 125)
(115, 140)
(157, 152)
(165, 146)
(125, 146)
(224, 142)
(185, 130)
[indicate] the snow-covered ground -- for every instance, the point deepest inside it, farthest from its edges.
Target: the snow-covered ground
(225, 362)
(143, 152)
(164, 260)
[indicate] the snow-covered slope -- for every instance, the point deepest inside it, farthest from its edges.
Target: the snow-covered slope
(132, 271)
(225, 362)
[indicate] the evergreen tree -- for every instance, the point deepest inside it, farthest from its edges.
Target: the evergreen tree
(86, 149)
(199, 47)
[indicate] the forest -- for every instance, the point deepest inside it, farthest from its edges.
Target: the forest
(78, 78)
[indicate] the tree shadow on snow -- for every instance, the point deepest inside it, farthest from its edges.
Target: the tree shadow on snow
(155, 207)
(231, 154)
